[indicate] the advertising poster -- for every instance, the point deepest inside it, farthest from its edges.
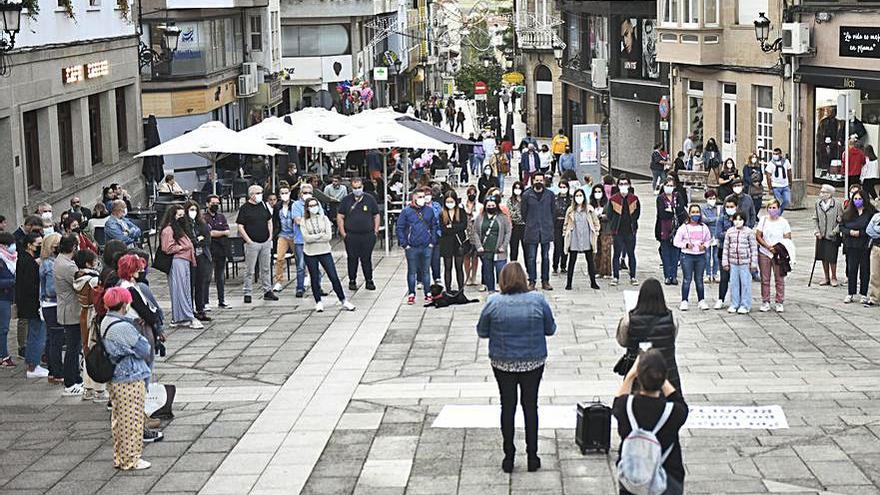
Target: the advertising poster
(588, 150)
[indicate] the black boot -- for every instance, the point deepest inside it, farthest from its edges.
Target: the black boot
(534, 463)
(507, 463)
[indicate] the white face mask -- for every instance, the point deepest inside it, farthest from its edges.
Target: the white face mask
(669, 189)
(192, 214)
(314, 210)
(738, 223)
(488, 171)
(730, 211)
(517, 191)
(306, 196)
(450, 206)
(285, 196)
(46, 215)
(579, 200)
(420, 201)
(754, 160)
(624, 190)
(711, 201)
(428, 199)
(563, 191)
(597, 195)
(738, 190)
(48, 231)
(258, 198)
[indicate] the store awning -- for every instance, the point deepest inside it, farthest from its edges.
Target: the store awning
(839, 78)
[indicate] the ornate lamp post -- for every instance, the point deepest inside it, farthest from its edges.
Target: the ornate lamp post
(762, 33)
(10, 17)
(171, 37)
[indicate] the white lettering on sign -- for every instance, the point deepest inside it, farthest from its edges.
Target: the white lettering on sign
(97, 69)
(862, 42)
(72, 74)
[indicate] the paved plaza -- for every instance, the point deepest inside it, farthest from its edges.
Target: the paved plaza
(274, 398)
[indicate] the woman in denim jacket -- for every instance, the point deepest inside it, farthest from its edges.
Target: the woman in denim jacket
(129, 350)
(516, 322)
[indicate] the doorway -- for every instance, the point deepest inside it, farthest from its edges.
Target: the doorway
(728, 122)
(544, 94)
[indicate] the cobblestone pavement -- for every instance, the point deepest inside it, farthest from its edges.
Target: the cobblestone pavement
(276, 399)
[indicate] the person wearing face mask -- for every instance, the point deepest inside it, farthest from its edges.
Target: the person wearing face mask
(623, 210)
(693, 238)
(8, 262)
(752, 180)
(298, 209)
(282, 222)
(581, 235)
(518, 226)
(770, 231)
(471, 262)
(453, 237)
(724, 223)
(827, 216)
(176, 242)
(49, 309)
(417, 229)
(317, 230)
(529, 164)
(72, 226)
(744, 202)
(537, 212)
(671, 214)
(255, 228)
(854, 224)
(778, 173)
(490, 236)
(358, 224)
(119, 227)
(30, 295)
(873, 233)
(598, 200)
(710, 212)
(546, 158)
(430, 194)
(200, 234)
(220, 246)
(739, 258)
(487, 181)
(725, 178)
(500, 166)
(659, 162)
(561, 204)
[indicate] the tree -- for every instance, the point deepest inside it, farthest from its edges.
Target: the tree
(471, 73)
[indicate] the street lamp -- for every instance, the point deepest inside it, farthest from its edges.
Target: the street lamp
(762, 34)
(11, 19)
(171, 37)
(558, 53)
(486, 62)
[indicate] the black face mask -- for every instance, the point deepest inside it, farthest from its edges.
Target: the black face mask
(539, 186)
(214, 208)
(492, 211)
(472, 197)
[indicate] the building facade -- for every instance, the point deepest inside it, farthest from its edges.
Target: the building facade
(70, 108)
(536, 23)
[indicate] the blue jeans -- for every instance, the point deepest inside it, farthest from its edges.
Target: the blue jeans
(783, 195)
(658, 177)
(491, 269)
(712, 261)
(740, 287)
(532, 262)
(5, 318)
(326, 261)
(36, 341)
(624, 244)
(418, 262)
(693, 267)
(501, 181)
(301, 269)
(435, 263)
(476, 161)
(669, 254)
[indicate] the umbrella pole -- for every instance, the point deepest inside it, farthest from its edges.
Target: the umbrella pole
(385, 186)
(214, 182)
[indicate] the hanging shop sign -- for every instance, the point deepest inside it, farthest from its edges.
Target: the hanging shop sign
(859, 41)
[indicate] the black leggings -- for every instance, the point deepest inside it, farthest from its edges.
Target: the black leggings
(560, 257)
(870, 186)
(591, 266)
(526, 383)
(448, 261)
(516, 240)
(858, 270)
(725, 276)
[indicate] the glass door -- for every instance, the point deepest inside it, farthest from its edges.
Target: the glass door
(728, 138)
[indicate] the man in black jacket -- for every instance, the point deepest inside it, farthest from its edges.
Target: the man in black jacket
(537, 213)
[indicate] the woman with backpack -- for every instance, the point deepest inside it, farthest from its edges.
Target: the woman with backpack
(657, 409)
(453, 236)
(129, 350)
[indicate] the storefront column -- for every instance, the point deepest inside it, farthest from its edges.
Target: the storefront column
(82, 147)
(50, 148)
(109, 139)
(134, 127)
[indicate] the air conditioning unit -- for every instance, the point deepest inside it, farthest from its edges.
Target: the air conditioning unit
(599, 72)
(247, 86)
(249, 69)
(795, 38)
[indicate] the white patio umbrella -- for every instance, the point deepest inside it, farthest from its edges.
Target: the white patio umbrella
(322, 122)
(372, 116)
(384, 135)
(212, 141)
(275, 131)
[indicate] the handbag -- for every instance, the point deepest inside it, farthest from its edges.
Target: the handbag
(162, 261)
(625, 363)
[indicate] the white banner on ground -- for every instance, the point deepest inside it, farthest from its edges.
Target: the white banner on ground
(565, 417)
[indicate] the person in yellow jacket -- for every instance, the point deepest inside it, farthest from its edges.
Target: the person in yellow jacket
(557, 146)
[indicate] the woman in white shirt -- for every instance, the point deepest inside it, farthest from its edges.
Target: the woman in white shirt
(546, 158)
(870, 173)
(317, 232)
(771, 230)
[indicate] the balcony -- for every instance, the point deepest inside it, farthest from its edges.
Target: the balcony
(537, 33)
(690, 46)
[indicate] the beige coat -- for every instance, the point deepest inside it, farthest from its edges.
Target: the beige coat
(568, 226)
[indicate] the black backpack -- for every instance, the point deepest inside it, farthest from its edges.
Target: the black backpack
(99, 366)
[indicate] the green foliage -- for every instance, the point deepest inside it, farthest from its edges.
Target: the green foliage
(32, 7)
(471, 73)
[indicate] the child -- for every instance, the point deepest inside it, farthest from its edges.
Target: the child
(711, 211)
(740, 257)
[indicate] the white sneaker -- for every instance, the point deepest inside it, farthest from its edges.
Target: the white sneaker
(683, 306)
(196, 324)
(346, 305)
(731, 309)
(208, 308)
(743, 310)
(765, 307)
(864, 300)
(719, 304)
(88, 394)
(39, 372)
(703, 305)
(848, 299)
(614, 282)
(74, 390)
(780, 308)
(277, 288)
(141, 465)
(101, 397)
(319, 307)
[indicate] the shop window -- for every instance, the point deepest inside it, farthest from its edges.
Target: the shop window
(598, 37)
(65, 137)
(32, 149)
(256, 33)
(95, 128)
(764, 122)
(695, 111)
(121, 119)
(831, 132)
(314, 41)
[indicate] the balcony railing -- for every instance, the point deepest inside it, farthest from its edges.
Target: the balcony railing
(537, 33)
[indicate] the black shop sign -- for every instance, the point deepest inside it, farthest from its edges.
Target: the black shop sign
(859, 41)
